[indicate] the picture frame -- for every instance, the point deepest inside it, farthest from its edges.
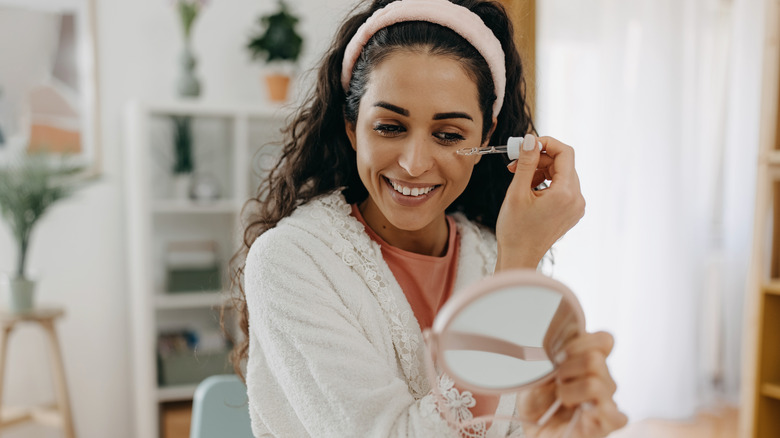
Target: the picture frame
(49, 98)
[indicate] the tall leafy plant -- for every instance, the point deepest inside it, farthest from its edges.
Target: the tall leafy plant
(29, 185)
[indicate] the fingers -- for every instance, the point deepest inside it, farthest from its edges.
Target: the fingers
(590, 364)
(583, 376)
(602, 419)
(601, 341)
(563, 157)
(526, 164)
(588, 389)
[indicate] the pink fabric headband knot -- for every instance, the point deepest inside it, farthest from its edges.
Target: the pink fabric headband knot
(445, 13)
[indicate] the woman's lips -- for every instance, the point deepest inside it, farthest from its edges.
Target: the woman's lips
(428, 190)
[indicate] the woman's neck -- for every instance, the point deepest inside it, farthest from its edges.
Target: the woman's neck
(430, 240)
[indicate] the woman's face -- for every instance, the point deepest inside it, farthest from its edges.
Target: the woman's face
(417, 111)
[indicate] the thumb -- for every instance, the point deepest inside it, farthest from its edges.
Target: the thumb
(527, 162)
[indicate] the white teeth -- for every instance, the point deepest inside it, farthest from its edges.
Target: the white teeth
(417, 191)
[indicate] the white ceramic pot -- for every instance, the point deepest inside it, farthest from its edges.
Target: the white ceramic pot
(21, 294)
(181, 185)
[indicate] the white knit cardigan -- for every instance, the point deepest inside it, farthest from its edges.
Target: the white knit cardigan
(334, 348)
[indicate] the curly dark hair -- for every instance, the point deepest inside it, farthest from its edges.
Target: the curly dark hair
(317, 158)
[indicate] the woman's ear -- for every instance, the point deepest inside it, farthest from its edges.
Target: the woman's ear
(349, 127)
(490, 132)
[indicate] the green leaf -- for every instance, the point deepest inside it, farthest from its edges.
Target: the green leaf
(29, 185)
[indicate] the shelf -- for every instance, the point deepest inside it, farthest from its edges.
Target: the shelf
(217, 109)
(188, 300)
(164, 206)
(772, 288)
(771, 390)
(176, 393)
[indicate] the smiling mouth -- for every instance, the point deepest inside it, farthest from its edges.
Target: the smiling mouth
(410, 191)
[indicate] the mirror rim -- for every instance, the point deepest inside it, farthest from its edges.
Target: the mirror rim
(479, 289)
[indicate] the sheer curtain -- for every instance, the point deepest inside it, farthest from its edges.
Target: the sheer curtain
(660, 100)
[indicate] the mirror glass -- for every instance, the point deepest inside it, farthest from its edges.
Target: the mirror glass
(506, 338)
(48, 91)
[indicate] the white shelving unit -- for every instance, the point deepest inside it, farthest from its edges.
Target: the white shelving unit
(227, 144)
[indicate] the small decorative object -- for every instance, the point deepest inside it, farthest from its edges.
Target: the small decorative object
(204, 187)
(182, 165)
(28, 187)
(187, 355)
(279, 45)
(189, 85)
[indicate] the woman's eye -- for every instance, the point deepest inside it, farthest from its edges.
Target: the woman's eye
(448, 137)
(388, 130)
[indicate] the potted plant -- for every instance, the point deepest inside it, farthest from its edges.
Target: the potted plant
(182, 163)
(28, 187)
(188, 84)
(278, 44)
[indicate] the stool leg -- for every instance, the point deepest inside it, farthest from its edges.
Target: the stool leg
(58, 370)
(6, 333)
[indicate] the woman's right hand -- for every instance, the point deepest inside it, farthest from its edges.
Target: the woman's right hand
(530, 222)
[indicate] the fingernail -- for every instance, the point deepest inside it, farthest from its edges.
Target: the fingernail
(511, 163)
(540, 145)
(528, 142)
(560, 357)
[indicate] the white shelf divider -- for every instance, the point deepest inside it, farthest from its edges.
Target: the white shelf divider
(175, 393)
(188, 300)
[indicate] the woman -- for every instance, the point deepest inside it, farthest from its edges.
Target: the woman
(351, 251)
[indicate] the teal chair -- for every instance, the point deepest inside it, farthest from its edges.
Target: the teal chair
(220, 409)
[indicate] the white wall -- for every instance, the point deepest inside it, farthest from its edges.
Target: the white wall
(79, 248)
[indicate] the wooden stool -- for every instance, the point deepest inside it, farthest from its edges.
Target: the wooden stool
(57, 415)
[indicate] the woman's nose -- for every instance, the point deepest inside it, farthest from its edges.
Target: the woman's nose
(416, 158)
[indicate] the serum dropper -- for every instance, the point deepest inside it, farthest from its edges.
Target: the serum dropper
(512, 149)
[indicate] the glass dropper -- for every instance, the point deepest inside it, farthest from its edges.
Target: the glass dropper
(512, 149)
(483, 151)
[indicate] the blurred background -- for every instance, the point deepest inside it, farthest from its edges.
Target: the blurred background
(165, 107)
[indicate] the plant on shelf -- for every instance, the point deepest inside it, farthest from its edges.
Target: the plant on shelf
(29, 185)
(278, 44)
(183, 163)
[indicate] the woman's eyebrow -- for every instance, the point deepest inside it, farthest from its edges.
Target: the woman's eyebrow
(452, 115)
(393, 108)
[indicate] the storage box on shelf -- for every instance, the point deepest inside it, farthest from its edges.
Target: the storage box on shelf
(179, 248)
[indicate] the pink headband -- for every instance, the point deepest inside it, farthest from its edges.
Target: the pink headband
(443, 12)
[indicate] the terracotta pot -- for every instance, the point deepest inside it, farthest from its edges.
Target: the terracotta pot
(278, 84)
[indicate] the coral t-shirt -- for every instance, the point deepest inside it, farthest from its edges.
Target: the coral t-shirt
(427, 281)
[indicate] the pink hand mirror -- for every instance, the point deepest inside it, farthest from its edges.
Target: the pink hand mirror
(502, 335)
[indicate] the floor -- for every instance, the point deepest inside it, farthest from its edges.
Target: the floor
(715, 423)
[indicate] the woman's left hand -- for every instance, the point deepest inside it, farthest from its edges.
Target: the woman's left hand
(582, 381)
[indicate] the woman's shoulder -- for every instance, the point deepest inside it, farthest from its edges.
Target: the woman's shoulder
(306, 228)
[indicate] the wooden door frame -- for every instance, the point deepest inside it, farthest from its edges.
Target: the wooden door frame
(523, 15)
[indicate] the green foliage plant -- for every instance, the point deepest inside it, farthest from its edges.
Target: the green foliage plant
(276, 39)
(29, 185)
(188, 12)
(182, 142)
